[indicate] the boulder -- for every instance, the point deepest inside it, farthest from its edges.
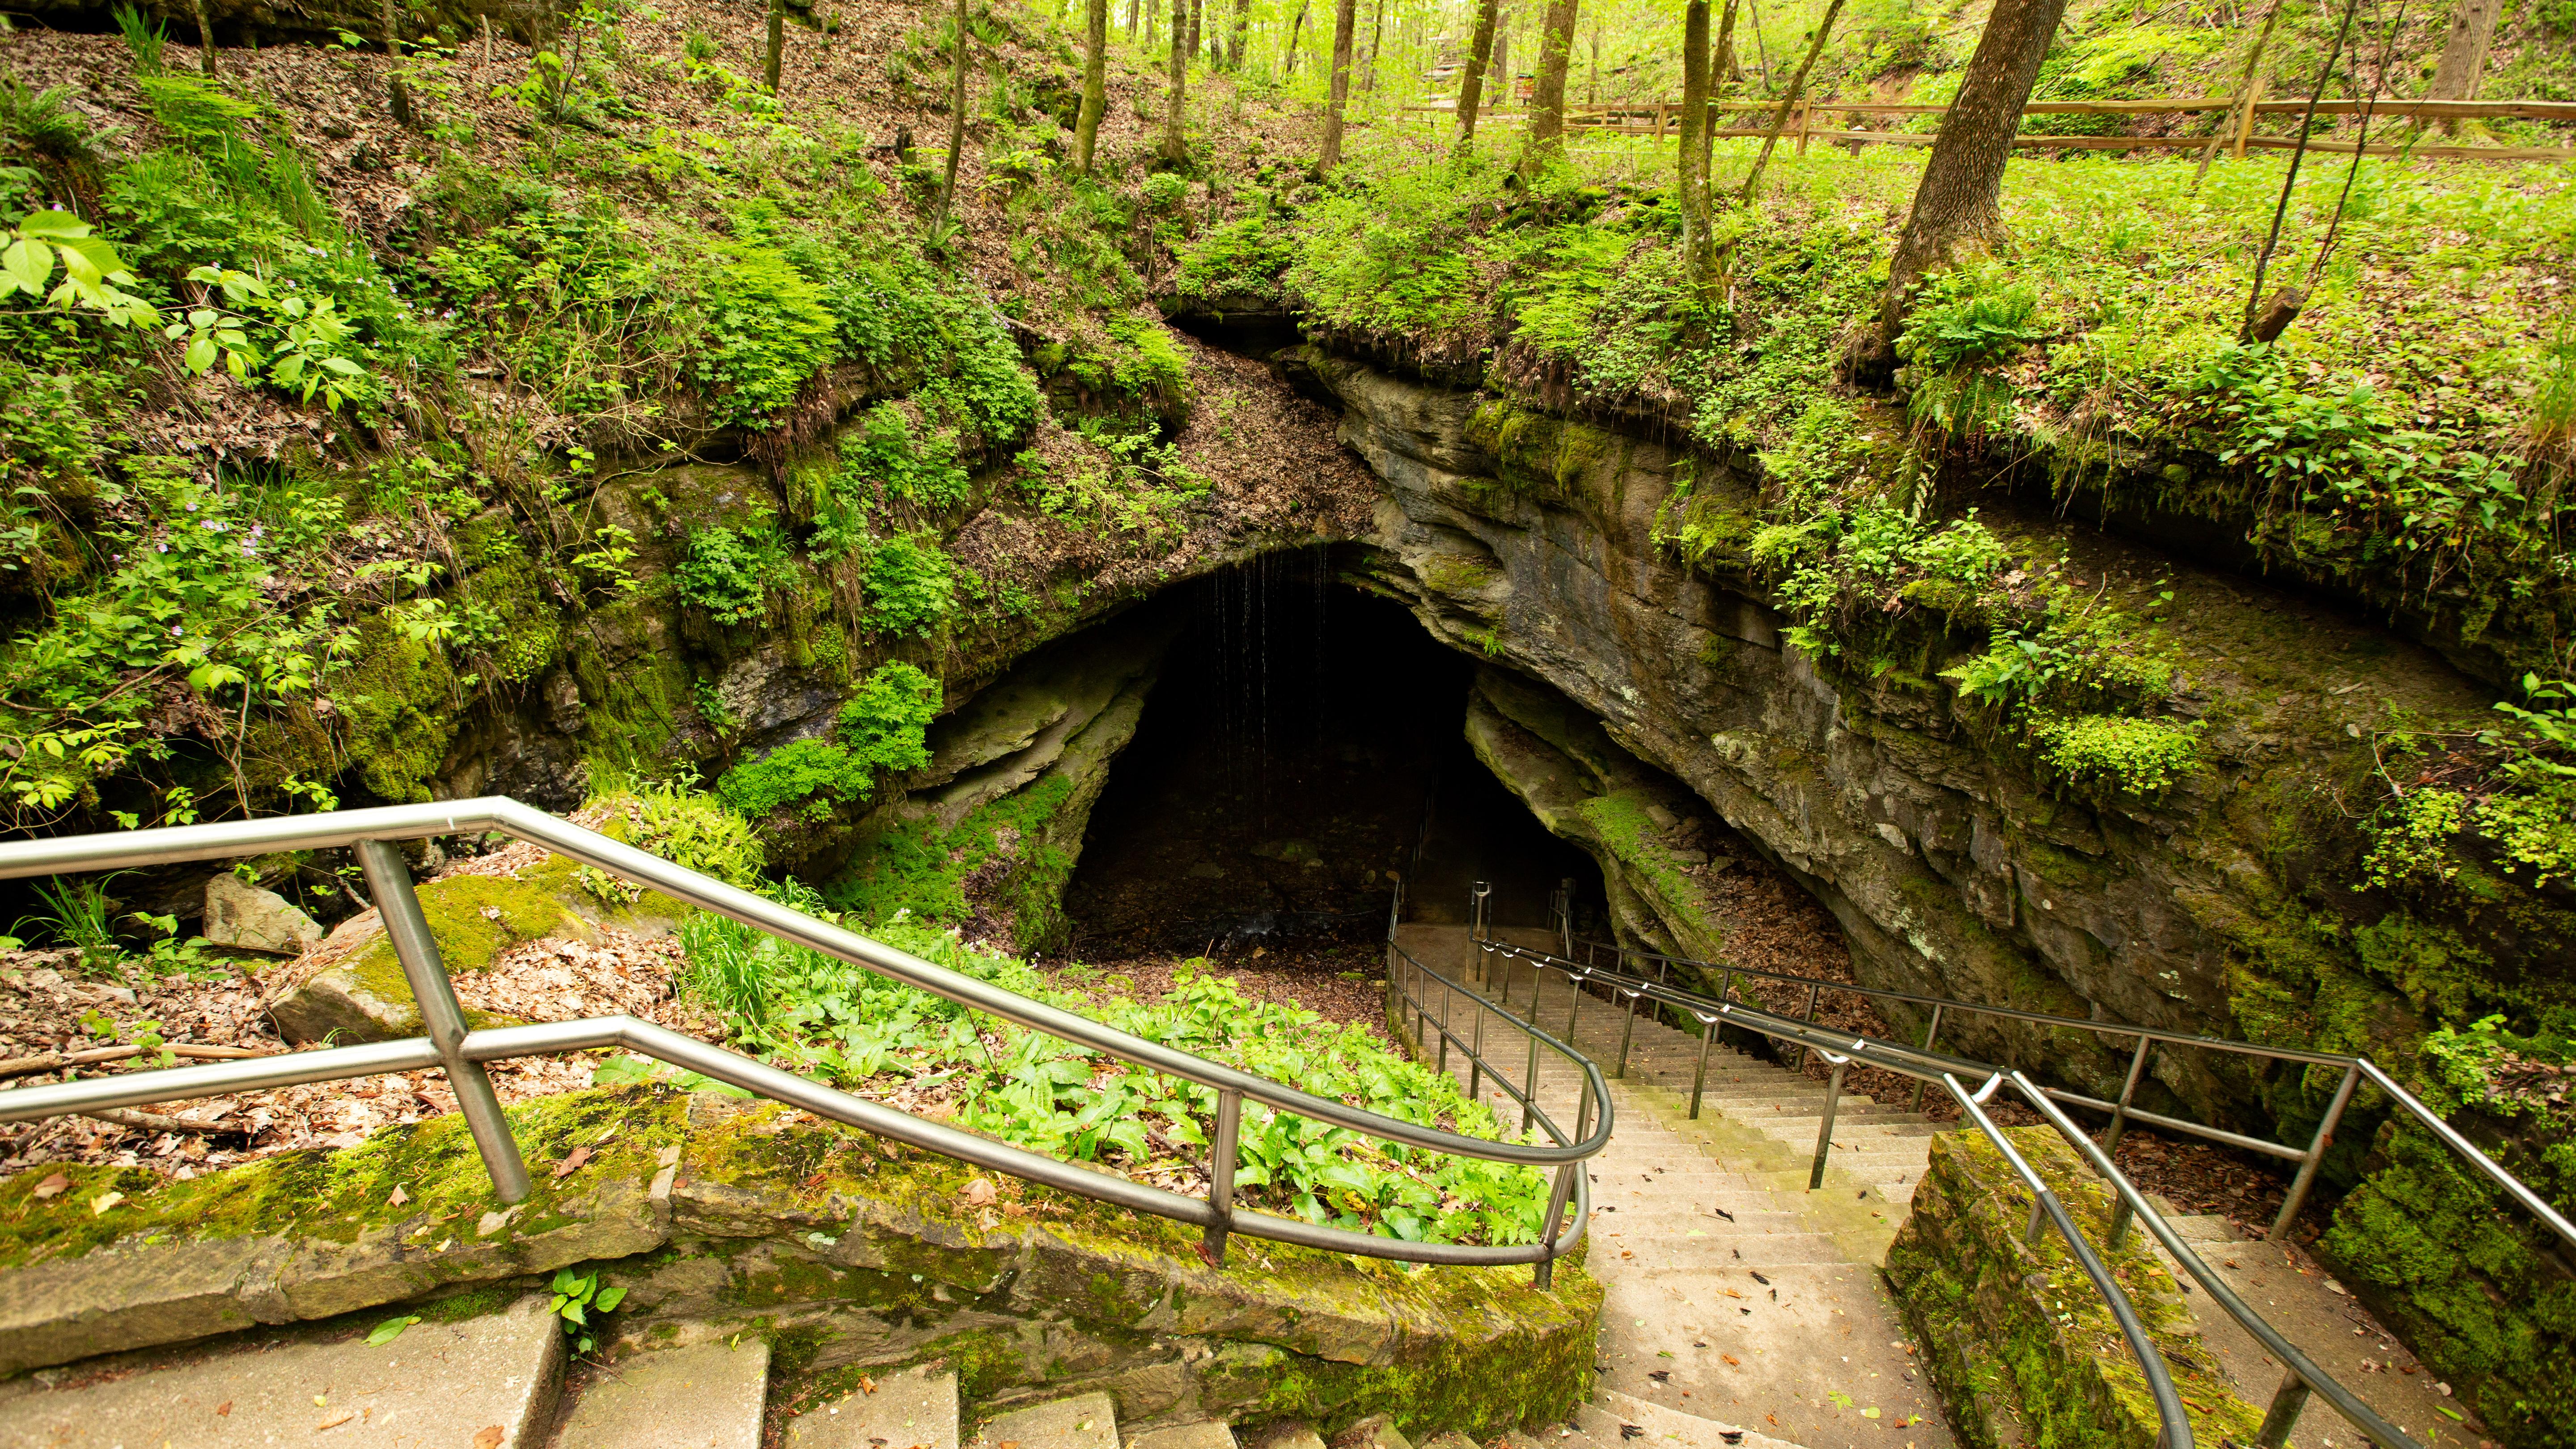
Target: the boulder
(241, 914)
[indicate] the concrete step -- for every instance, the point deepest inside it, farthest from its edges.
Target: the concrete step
(436, 1386)
(1208, 1435)
(1611, 1414)
(1085, 1421)
(913, 1408)
(706, 1395)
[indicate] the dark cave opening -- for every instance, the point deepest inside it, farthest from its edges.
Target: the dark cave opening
(1303, 748)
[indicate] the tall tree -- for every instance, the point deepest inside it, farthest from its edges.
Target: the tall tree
(1789, 102)
(1196, 8)
(1236, 44)
(1176, 146)
(2246, 91)
(1368, 64)
(956, 113)
(777, 44)
(1958, 201)
(1289, 67)
(1498, 69)
(1095, 82)
(1546, 132)
(205, 41)
(2464, 51)
(1471, 89)
(1689, 184)
(398, 95)
(1725, 64)
(1132, 19)
(1346, 16)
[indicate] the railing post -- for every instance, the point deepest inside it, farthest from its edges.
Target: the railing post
(442, 1020)
(1801, 1067)
(1448, 1007)
(1627, 1030)
(1476, 1056)
(1221, 1161)
(2283, 1416)
(1565, 913)
(1573, 1006)
(2128, 1089)
(1561, 1193)
(2308, 1165)
(1929, 1032)
(1699, 1077)
(1529, 1095)
(1825, 1132)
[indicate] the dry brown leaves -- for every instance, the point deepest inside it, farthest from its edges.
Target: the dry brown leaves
(44, 1000)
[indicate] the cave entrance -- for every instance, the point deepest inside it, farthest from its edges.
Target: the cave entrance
(1305, 744)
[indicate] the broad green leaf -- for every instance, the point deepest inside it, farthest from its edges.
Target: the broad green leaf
(52, 224)
(391, 1329)
(28, 262)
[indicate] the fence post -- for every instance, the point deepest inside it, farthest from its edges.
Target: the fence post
(1529, 1098)
(1806, 123)
(442, 1020)
(1221, 1159)
(2245, 132)
(1558, 1196)
(1699, 1077)
(1627, 1030)
(2316, 1156)
(1801, 1067)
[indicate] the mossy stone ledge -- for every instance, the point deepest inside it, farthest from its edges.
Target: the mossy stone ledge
(2022, 1348)
(846, 1251)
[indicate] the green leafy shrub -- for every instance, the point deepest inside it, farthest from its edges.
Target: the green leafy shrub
(1246, 258)
(880, 729)
(1962, 327)
(911, 586)
(731, 573)
(881, 456)
(2141, 757)
(684, 826)
(767, 332)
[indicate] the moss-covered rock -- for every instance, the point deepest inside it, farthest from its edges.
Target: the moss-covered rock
(362, 995)
(2023, 1349)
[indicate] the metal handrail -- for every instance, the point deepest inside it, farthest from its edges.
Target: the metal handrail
(2356, 1070)
(1571, 1178)
(2302, 1376)
(446, 1042)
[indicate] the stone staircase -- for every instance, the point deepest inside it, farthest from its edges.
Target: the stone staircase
(501, 1380)
(1742, 1309)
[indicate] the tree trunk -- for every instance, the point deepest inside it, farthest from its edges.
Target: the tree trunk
(1346, 19)
(1498, 71)
(1132, 18)
(1689, 185)
(1192, 49)
(1761, 52)
(1242, 38)
(1721, 65)
(1957, 199)
(1377, 32)
(1296, 31)
(1546, 140)
(1095, 82)
(2464, 51)
(1592, 84)
(1789, 102)
(956, 114)
(778, 45)
(1176, 145)
(1471, 90)
(397, 95)
(205, 41)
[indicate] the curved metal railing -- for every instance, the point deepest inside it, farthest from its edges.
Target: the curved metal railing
(2302, 1377)
(448, 1044)
(2356, 1070)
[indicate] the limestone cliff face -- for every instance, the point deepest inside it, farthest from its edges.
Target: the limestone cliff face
(1531, 541)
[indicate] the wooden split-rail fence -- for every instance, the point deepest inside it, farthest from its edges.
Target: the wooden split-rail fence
(1663, 118)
